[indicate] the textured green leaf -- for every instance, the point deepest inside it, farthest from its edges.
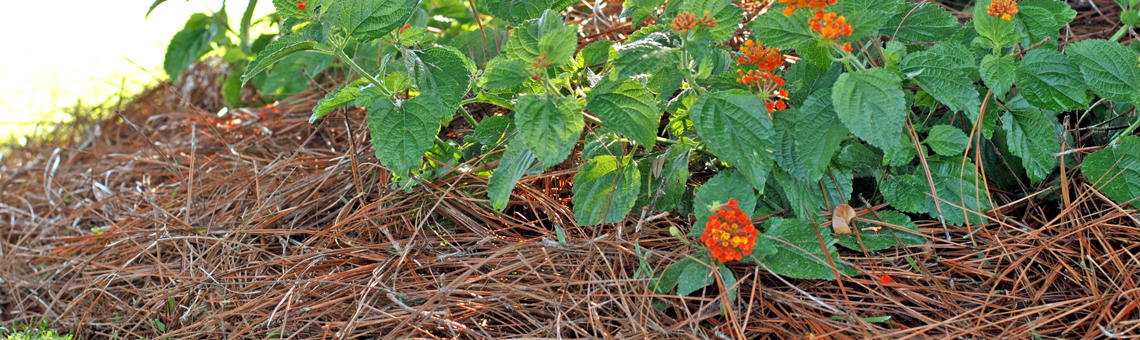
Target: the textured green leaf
(640, 10)
(641, 56)
(872, 105)
(902, 153)
(668, 279)
(188, 45)
(803, 80)
(779, 31)
(799, 253)
(402, 132)
(288, 8)
(668, 180)
(1048, 80)
(939, 76)
(287, 76)
(559, 45)
(153, 6)
(514, 164)
(275, 52)
(993, 32)
(736, 127)
(885, 238)
(947, 140)
(517, 11)
(1109, 68)
(695, 276)
(957, 186)
(1033, 137)
(785, 151)
(817, 133)
(334, 100)
(504, 74)
(866, 17)
(807, 199)
(1043, 18)
(928, 23)
(628, 107)
(727, 15)
(603, 143)
(366, 20)
(723, 186)
(494, 129)
(761, 250)
(231, 91)
(605, 189)
(1115, 171)
(596, 53)
(442, 73)
(998, 73)
(549, 126)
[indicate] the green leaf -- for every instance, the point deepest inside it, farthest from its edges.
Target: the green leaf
(872, 105)
(517, 11)
(668, 279)
(804, 80)
(288, 8)
(402, 132)
(957, 186)
(628, 107)
(559, 45)
(807, 199)
(596, 53)
(153, 6)
(1109, 68)
(815, 135)
(287, 76)
(998, 73)
(799, 253)
(695, 276)
(947, 140)
(605, 189)
(334, 100)
(442, 73)
(366, 20)
(867, 16)
(885, 238)
(939, 75)
(525, 41)
(727, 15)
(550, 126)
(993, 32)
(1043, 18)
(514, 164)
(736, 127)
(641, 56)
(640, 10)
(1032, 136)
(504, 74)
(723, 186)
(494, 129)
(925, 23)
(276, 51)
(1048, 80)
(1115, 171)
(231, 91)
(188, 45)
(902, 153)
(785, 32)
(668, 179)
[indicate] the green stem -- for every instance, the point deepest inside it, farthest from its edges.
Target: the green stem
(1127, 132)
(339, 52)
(468, 117)
(1120, 34)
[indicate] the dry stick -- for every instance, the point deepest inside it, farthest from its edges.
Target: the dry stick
(352, 155)
(977, 167)
(834, 269)
(929, 176)
(190, 182)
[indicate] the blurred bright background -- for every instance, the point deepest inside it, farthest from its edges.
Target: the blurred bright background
(58, 53)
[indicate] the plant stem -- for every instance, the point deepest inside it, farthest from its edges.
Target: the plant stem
(1120, 34)
(348, 60)
(468, 117)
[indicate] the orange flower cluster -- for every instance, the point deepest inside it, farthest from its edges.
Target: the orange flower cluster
(730, 234)
(687, 21)
(831, 25)
(301, 5)
(793, 5)
(767, 61)
(1005, 9)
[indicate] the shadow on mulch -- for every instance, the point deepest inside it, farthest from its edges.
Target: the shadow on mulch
(175, 221)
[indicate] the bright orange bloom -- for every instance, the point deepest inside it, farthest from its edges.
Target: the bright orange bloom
(793, 5)
(1005, 9)
(847, 47)
(831, 25)
(687, 21)
(766, 59)
(729, 234)
(886, 279)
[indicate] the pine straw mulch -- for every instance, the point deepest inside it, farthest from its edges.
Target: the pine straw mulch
(256, 224)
